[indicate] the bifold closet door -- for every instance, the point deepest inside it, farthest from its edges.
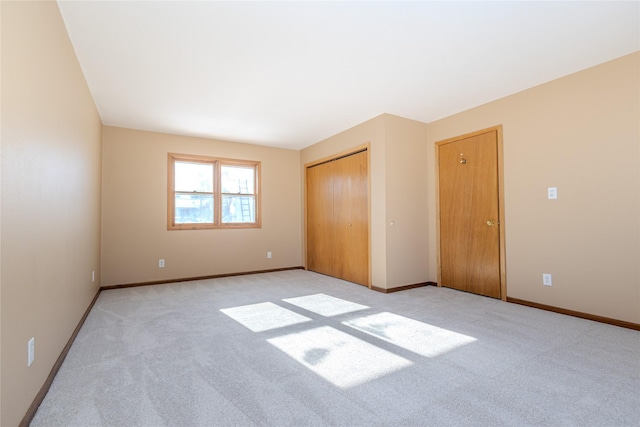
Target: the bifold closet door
(338, 218)
(351, 218)
(320, 235)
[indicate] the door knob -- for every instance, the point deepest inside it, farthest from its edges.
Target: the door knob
(491, 223)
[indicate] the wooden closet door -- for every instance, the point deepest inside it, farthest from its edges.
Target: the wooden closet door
(320, 223)
(351, 218)
(337, 218)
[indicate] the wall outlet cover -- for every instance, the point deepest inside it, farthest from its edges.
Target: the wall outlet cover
(31, 351)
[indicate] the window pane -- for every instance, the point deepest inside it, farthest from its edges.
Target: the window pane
(237, 179)
(194, 177)
(238, 209)
(194, 208)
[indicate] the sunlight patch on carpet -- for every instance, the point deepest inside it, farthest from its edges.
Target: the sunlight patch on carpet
(264, 316)
(325, 305)
(341, 359)
(418, 337)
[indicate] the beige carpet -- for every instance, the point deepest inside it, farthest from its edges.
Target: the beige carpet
(297, 348)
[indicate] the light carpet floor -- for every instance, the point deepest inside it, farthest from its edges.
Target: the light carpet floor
(296, 348)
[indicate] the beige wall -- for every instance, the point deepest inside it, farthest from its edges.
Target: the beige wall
(580, 133)
(406, 202)
(50, 190)
(398, 194)
(135, 235)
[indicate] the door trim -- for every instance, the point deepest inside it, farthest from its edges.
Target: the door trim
(501, 216)
(341, 154)
(354, 150)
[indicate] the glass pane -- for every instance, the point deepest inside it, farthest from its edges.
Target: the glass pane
(194, 209)
(238, 209)
(194, 177)
(237, 179)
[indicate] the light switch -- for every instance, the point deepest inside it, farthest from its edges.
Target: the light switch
(552, 193)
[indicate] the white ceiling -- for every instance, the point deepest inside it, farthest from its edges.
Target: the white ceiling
(289, 74)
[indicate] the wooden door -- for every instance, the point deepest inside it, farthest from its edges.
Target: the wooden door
(469, 214)
(320, 237)
(337, 218)
(351, 218)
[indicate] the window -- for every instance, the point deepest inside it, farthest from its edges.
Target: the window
(208, 192)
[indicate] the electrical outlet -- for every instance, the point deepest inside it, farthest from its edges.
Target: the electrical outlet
(546, 279)
(93, 276)
(31, 351)
(161, 263)
(269, 254)
(552, 193)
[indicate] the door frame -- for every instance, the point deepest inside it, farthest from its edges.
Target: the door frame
(501, 216)
(348, 152)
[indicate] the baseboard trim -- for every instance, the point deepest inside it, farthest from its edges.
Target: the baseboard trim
(189, 279)
(401, 288)
(595, 318)
(31, 412)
